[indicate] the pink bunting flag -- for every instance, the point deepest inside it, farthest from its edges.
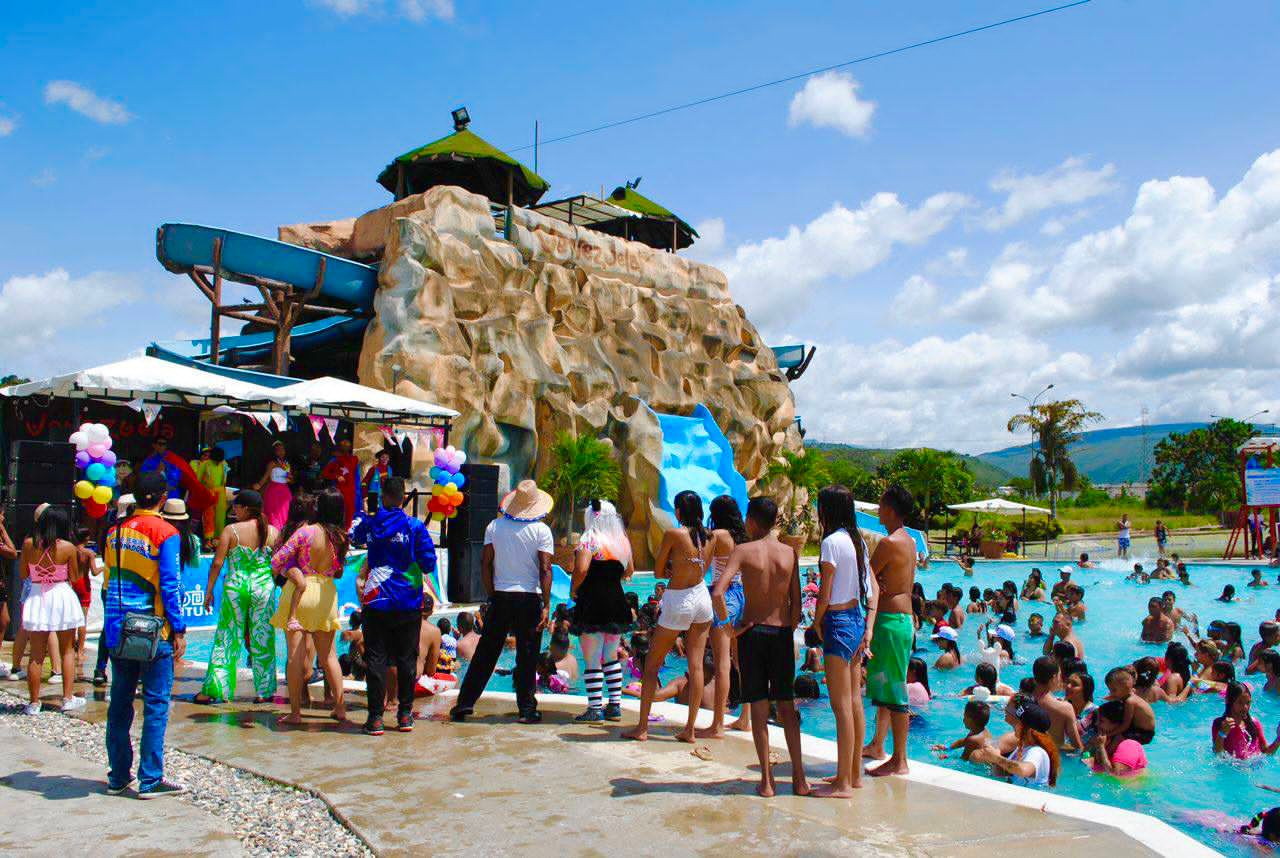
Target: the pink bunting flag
(150, 411)
(317, 425)
(331, 424)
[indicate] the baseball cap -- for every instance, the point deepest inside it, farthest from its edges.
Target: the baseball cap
(1031, 714)
(1006, 632)
(1066, 570)
(946, 633)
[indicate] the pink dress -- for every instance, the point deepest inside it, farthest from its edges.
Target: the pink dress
(276, 496)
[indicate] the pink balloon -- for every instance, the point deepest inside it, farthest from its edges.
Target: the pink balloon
(96, 450)
(109, 459)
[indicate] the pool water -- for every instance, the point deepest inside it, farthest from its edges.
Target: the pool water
(1185, 782)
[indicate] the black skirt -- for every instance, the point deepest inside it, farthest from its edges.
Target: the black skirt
(601, 605)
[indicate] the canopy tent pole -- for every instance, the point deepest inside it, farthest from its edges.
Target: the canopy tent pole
(511, 193)
(215, 320)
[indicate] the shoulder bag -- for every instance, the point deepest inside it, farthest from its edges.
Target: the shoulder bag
(139, 632)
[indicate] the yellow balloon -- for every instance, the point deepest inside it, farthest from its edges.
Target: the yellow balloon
(437, 490)
(102, 494)
(84, 489)
(437, 516)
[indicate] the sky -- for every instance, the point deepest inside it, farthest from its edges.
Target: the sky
(1089, 199)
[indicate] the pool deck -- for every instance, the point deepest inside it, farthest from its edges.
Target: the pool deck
(560, 786)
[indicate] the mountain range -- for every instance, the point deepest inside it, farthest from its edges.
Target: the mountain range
(1103, 455)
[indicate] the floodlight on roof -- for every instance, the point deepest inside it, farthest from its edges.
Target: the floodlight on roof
(461, 118)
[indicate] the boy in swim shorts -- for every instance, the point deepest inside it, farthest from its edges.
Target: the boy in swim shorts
(894, 564)
(766, 652)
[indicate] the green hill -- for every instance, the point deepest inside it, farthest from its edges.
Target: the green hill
(1103, 455)
(985, 474)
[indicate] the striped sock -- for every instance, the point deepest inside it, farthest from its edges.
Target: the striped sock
(613, 678)
(594, 680)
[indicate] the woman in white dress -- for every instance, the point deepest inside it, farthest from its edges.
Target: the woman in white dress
(49, 562)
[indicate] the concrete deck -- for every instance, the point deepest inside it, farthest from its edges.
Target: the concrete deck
(542, 790)
(40, 786)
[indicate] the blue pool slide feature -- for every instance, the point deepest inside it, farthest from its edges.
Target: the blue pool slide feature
(560, 584)
(867, 521)
(696, 456)
(255, 349)
(181, 247)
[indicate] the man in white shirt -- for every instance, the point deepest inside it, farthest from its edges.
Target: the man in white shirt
(516, 570)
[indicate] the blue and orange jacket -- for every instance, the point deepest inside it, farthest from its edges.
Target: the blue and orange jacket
(145, 577)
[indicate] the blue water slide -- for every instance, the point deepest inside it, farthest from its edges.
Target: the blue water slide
(560, 584)
(184, 247)
(867, 521)
(696, 456)
(255, 349)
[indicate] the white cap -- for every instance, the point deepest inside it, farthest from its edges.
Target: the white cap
(946, 633)
(1005, 632)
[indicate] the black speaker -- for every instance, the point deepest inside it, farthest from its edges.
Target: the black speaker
(465, 535)
(41, 472)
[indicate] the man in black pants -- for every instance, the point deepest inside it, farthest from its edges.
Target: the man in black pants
(516, 569)
(400, 555)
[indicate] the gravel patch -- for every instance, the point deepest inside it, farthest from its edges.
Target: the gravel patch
(268, 817)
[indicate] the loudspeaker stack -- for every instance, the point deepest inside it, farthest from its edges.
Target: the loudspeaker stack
(39, 472)
(465, 537)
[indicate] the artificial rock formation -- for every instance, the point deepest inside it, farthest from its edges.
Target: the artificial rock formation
(562, 328)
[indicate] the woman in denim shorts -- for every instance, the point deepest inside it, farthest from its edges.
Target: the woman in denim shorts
(727, 531)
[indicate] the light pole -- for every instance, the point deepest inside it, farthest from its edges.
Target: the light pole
(1248, 419)
(1035, 437)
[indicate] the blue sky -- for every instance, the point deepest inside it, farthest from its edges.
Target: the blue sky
(1089, 198)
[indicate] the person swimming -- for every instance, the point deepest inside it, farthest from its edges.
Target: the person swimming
(977, 714)
(1112, 752)
(1237, 732)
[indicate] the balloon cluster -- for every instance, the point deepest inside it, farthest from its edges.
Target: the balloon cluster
(446, 494)
(95, 459)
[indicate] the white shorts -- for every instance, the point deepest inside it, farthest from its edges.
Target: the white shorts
(680, 609)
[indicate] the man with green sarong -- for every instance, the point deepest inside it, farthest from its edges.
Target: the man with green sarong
(894, 564)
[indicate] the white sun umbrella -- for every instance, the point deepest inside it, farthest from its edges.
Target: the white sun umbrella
(1000, 506)
(866, 506)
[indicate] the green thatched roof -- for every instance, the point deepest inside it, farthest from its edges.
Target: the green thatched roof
(633, 200)
(465, 159)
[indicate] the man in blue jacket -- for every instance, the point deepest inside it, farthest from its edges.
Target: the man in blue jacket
(400, 554)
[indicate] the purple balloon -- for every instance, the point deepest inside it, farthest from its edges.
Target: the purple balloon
(82, 459)
(108, 459)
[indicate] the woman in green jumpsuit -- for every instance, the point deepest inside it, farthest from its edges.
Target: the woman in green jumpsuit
(248, 601)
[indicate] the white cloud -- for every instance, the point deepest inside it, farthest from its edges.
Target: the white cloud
(86, 102)
(414, 10)
(954, 261)
(7, 125)
(917, 302)
(96, 153)
(773, 277)
(1180, 243)
(711, 235)
(44, 315)
(44, 178)
(830, 100)
(1069, 183)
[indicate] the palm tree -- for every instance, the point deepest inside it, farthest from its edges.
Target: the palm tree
(582, 467)
(1055, 426)
(805, 470)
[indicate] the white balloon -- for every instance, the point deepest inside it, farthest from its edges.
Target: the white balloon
(79, 439)
(84, 427)
(106, 442)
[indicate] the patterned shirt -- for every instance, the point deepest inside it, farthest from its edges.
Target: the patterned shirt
(143, 574)
(400, 553)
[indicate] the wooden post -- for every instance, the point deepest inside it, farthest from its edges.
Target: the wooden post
(215, 320)
(399, 181)
(675, 235)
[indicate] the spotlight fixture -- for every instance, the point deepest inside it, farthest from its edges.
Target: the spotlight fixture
(461, 119)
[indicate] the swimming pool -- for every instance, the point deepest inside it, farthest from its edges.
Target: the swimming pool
(1184, 783)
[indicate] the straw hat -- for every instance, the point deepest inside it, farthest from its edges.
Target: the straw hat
(174, 509)
(527, 502)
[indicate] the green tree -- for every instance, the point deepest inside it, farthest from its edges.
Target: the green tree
(1197, 470)
(1056, 426)
(582, 468)
(934, 477)
(864, 484)
(800, 473)
(6, 380)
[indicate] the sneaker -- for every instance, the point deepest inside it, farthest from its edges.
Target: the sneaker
(54, 679)
(162, 789)
(31, 709)
(17, 675)
(120, 790)
(99, 679)
(317, 675)
(613, 712)
(404, 723)
(373, 728)
(591, 716)
(459, 715)
(531, 717)
(73, 704)
(4, 671)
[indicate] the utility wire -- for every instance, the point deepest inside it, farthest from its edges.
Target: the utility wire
(759, 86)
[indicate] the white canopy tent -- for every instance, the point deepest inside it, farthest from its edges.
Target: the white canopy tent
(150, 380)
(1000, 506)
(866, 506)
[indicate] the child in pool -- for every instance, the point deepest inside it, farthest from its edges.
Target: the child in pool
(918, 693)
(1139, 719)
(1237, 732)
(976, 604)
(1035, 625)
(549, 677)
(1228, 594)
(1257, 579)
(1112, 752)
(976, 717)
(985, 675)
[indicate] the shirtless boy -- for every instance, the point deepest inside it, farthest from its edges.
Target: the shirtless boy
(894, 565)
(770, 574)
(1157, 626)
(1063, 629)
